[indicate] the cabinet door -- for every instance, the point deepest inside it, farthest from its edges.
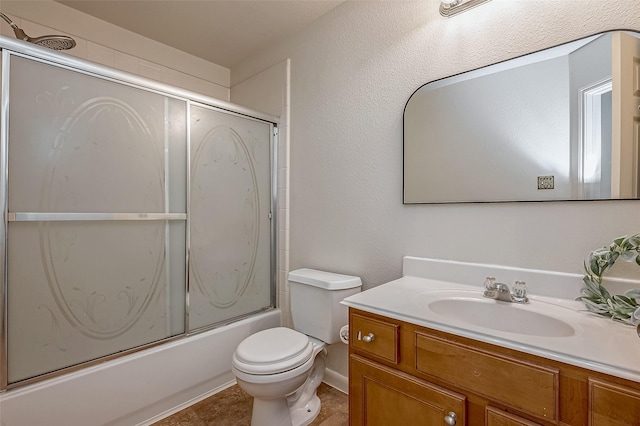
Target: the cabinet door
(379, 395)
(495, 417)
(613, 405)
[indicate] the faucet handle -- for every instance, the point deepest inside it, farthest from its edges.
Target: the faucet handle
(520, 292)
(490, 283)
(520, 289)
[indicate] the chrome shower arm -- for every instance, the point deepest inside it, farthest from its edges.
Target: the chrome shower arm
(55, 42)
(20, 35)
(9, 21)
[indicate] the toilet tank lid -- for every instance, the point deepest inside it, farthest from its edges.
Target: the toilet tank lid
(326, 280)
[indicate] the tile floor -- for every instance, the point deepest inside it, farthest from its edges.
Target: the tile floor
(232, 407)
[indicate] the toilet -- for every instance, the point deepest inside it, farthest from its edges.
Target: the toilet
(281, 368)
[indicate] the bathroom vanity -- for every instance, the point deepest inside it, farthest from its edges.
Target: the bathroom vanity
(412, 362)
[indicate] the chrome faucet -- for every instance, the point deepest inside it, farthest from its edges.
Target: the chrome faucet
(500, 291)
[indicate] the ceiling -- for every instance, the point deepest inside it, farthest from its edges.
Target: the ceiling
(220, 31)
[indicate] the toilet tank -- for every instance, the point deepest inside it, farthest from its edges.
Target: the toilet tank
(315, 302)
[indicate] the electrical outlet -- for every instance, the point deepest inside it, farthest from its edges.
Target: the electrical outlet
(545, 182)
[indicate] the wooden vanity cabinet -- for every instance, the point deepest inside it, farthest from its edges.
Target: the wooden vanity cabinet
(495, 417)
(385, 396)
(403, 374)
(613, 405)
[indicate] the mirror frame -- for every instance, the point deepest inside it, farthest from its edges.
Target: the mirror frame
(478, 69)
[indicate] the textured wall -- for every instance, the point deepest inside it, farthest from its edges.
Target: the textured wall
(351, 74)
(106, 44)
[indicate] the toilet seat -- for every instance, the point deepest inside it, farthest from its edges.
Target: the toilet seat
(272, 351)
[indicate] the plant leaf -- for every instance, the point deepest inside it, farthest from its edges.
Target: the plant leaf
(633, 293)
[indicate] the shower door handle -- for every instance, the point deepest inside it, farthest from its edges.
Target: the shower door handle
(58, 217)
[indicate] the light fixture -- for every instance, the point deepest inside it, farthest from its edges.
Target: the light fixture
(449, 8)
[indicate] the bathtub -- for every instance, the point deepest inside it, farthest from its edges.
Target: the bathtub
(136, 389)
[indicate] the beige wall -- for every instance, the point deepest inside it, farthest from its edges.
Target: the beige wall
(352, 72)
(107, 44)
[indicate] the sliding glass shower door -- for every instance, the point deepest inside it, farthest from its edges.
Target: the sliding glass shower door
(115, 194)
(97, 213)
(230, 216)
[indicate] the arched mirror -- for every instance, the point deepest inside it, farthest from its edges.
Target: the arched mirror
(559, 124)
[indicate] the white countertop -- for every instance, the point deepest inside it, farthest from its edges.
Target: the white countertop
(597, 343)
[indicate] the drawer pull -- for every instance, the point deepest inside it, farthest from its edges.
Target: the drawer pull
(385, 333)
(450, 419)
(368, 338)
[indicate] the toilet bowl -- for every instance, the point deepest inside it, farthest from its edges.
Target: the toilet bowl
(282, 367)
(282, 377)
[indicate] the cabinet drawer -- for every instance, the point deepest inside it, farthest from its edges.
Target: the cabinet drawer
(613, 405)
(526, 387)
(383, 396)
(495, 417)
(380, 339)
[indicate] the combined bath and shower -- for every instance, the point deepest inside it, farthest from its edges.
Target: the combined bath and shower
(55, 42)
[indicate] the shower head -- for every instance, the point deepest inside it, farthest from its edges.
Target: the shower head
(55, 42)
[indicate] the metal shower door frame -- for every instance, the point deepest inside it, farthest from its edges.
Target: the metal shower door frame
(9, 48)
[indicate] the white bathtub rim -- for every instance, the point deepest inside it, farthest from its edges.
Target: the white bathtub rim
(10, 393)
(158, 364)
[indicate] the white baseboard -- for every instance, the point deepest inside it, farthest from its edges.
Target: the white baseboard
(331, 378)
(336, 380)
(186, 404)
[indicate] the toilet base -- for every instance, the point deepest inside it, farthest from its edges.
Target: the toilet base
(303, 416)
(304, 404)
(299, 408)
(277, 412)
(270, 412)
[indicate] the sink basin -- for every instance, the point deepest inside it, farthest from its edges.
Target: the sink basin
(495, 315)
